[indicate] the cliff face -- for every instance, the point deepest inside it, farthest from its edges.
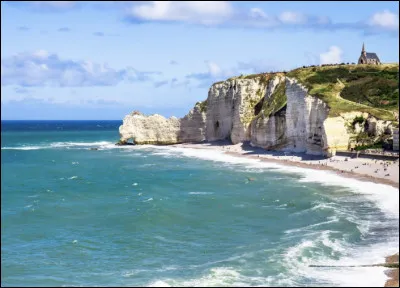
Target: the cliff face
(156, 129)
(193, 126)
(305, 116)
(268, 128)
(269, 110)
(231, 108)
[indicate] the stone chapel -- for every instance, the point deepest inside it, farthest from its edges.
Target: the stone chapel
(368, 58)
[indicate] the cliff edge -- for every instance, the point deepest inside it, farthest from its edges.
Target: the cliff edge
(316, 110)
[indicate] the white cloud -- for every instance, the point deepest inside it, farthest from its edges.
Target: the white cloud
(334, 55)
(207, 12)
(42, 68)
(214, 69)
(257, 66)
(42, 54)
(257, 13)
(289, 17)
(216, 73)
(213, 13)
(54, 4)
(385, 19)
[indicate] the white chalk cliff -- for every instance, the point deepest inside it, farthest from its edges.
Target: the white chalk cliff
(271, 111)
(156, 129)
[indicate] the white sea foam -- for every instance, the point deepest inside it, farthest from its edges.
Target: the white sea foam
(150, 199)
(298, 261)
(308, 227)
(22, 148)
(159, 283)
(201, 193)
(68, 145)
(72, 144)
(73, 177)
(166, 240)
(219, 277)
(385, 197)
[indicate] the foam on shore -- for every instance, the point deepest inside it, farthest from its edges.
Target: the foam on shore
(385, 197)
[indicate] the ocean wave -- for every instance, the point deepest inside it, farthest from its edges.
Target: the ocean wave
(217, 277)
(312, 251)
(309, 227)
(319, 206)
(62, 145)
(166, 240)
(101, 145)
(384, 196)
(200, 193)
(22, 148)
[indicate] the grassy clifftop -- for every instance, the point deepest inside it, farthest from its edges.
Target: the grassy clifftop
(367, 88)
(345, 88)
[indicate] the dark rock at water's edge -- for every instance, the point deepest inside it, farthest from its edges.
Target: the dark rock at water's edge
(93, 148)
(123, 143)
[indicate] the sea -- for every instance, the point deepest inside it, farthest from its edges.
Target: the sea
(168, 216)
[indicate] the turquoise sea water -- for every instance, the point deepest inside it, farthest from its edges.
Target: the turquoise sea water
(155, 216)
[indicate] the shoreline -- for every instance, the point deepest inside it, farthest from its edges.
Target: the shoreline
(343, 173)
(339, 165)
(393, 274)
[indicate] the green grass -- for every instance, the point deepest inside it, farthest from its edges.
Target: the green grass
(345, 88)
(276, 102)
(377, 145)
(202, 105)
(358, 119)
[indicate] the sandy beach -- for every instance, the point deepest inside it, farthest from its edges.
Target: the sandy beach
(393, 274)
(377, 171)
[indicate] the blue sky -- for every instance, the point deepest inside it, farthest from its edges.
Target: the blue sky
(102, 60)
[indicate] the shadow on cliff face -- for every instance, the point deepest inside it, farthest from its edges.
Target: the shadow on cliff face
(192, 126)
(258, 107)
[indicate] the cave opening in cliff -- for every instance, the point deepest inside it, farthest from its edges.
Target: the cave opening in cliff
(216, 125)
(258, 106)
(281, 111)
